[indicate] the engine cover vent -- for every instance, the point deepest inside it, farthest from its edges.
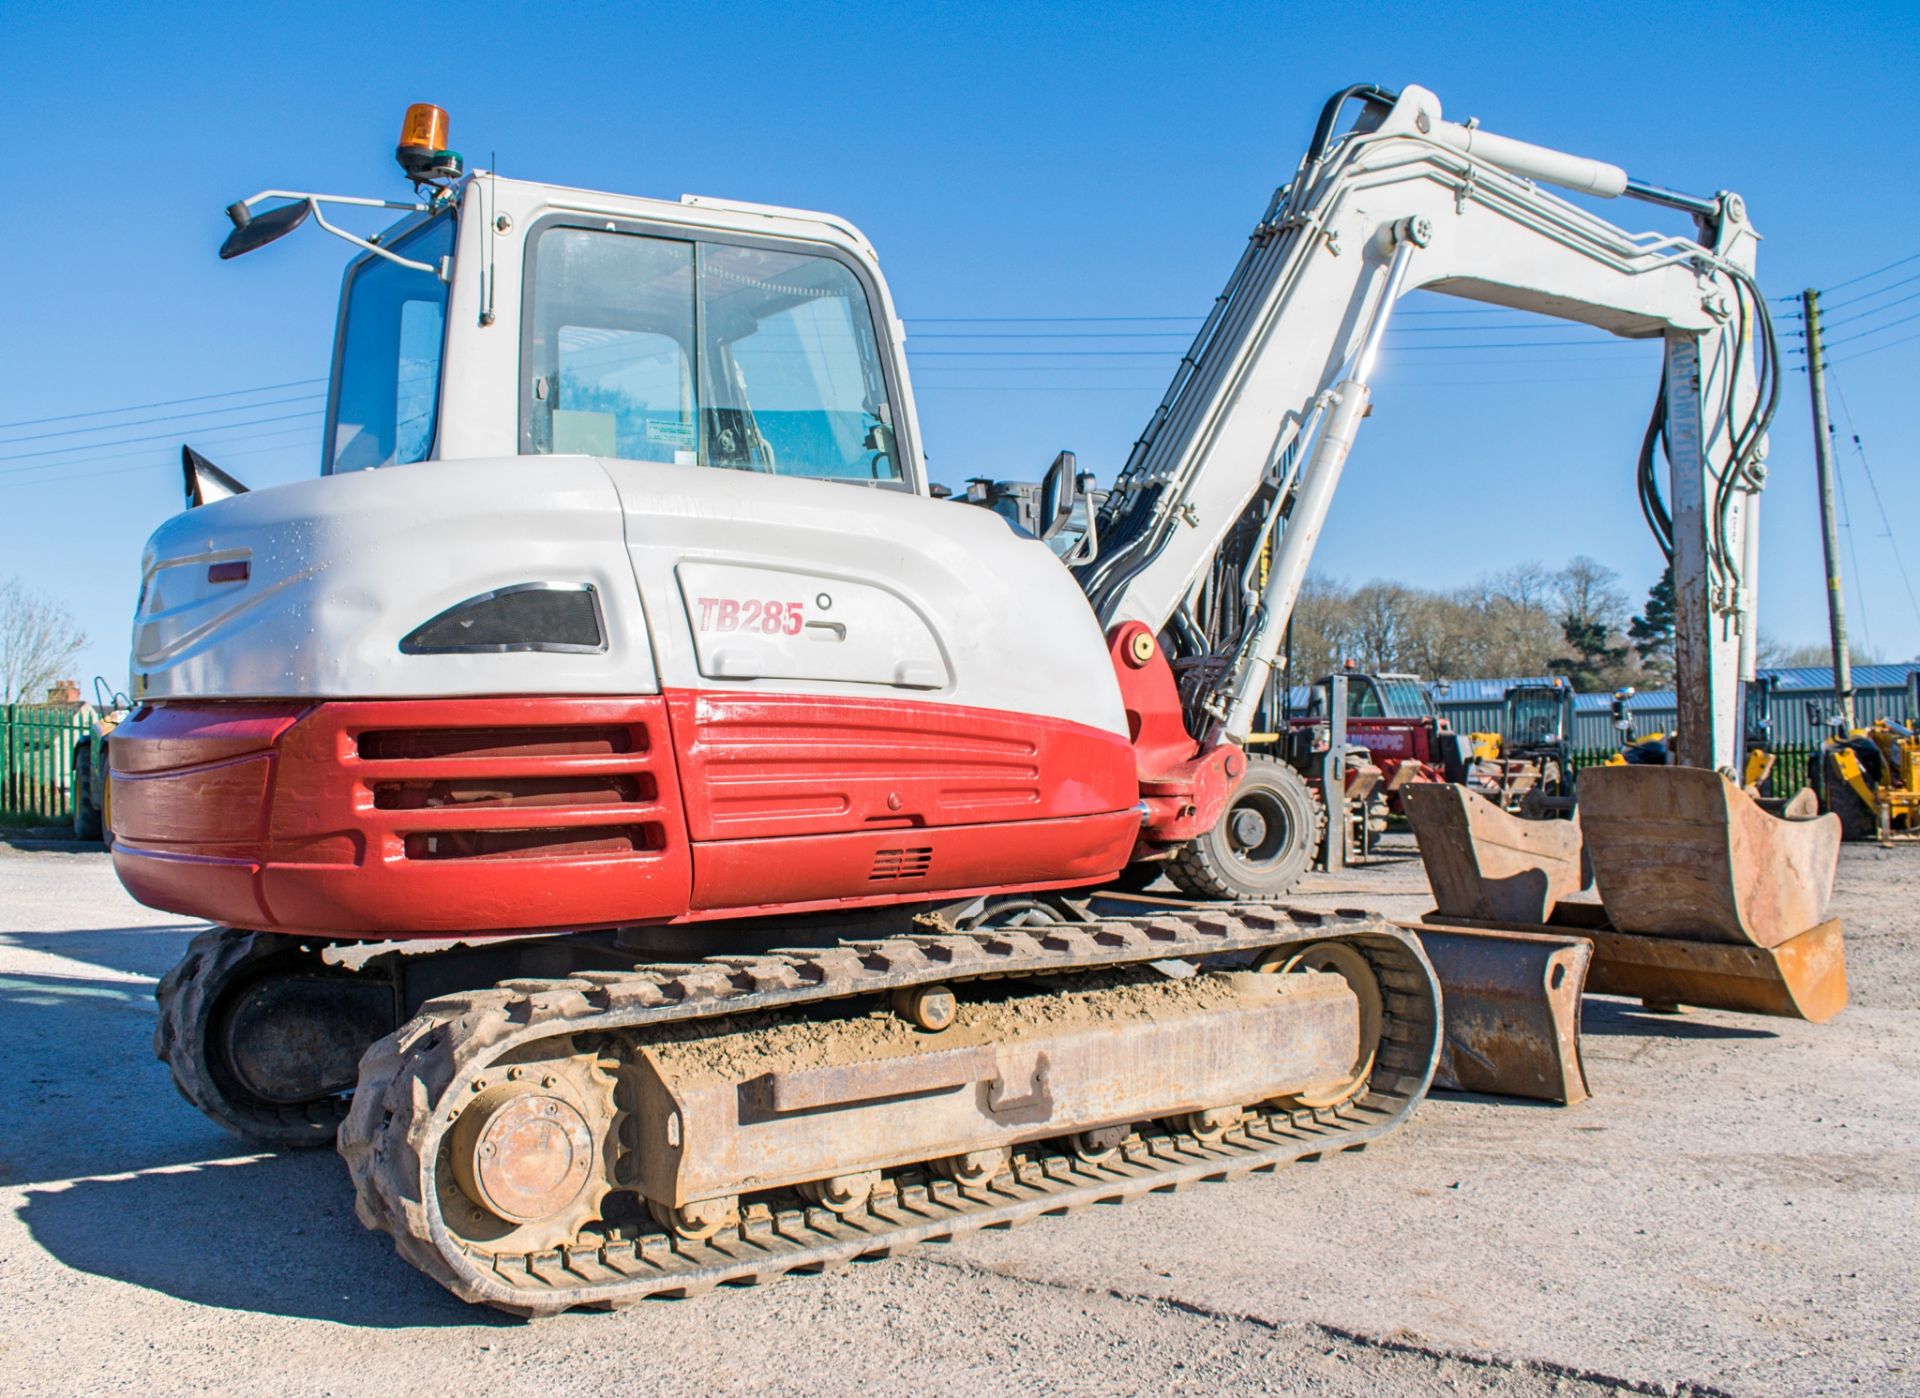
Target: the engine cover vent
(890, 865)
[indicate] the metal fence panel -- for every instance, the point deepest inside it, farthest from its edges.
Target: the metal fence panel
(36, 759)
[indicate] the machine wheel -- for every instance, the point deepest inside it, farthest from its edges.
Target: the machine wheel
(1858, 820)
(263, 1038)
(87, 824)
(1263, 842)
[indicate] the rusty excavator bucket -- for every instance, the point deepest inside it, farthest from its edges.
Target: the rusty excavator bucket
(1487, 864)
(1510, 987)
(1709, 899)
(1705, 898)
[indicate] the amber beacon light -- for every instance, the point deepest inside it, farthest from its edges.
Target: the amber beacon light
(422, 151)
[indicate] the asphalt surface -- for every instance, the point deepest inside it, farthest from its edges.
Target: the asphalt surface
(1734, 1211)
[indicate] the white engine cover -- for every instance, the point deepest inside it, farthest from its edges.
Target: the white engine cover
(746, 583)
(343, 567)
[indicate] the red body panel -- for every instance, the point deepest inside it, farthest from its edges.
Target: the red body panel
(1184, 784)
(1392, 743)
(423, 817)
(788, 764)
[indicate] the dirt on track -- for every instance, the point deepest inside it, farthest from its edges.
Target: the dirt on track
(1734, 1211)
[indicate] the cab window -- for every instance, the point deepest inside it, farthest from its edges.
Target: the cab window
(704, 354)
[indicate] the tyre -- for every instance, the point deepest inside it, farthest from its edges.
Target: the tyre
(1262, 844)
(1858, 819)
(87, 824)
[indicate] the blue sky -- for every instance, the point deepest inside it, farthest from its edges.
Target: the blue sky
(1043, 161)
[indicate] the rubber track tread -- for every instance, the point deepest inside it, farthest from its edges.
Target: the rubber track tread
(392, 1136)
(189, 994)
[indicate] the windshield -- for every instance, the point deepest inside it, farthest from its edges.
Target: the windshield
(387, 363)
(1407, 697)
(1536, 717)
(704, 354)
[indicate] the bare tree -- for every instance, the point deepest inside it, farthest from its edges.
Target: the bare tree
(1771, 654)
(38, 640)
(1590, 594)
(1321, 627)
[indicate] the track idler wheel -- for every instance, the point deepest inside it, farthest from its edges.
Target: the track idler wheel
(697, 1221)
(1212, 1124)
(843, 1194)
(530, 1156)
(976, 1170)
(1262, 844)
(1351, 966)
(1100, 1146)
(264, 1038)
(928, 1007)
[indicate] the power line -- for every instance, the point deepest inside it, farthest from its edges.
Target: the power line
(1875, 349)
(1860, 450)
(1173, 354)
(1875, 310)
(158, 465)
(1862, 334)
(153, 437)
(1191, 319)
(170, 417)
(201, 437)
(1868, 276)
(1877, 291)
(1853, 549)
(163, 403)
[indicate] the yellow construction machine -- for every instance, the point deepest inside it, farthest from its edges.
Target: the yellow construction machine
(1870, 778)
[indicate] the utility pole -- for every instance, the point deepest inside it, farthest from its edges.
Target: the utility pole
(1829, 536)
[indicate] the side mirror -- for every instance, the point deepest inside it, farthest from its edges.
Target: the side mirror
(1059, 493)
(250, 232)
(205, 481)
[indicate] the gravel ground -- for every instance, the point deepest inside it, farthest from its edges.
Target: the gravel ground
(1734, 1211)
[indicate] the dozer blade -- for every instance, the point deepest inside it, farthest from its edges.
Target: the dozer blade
(1484, 863)
(1510, 1011)
(1683, 852)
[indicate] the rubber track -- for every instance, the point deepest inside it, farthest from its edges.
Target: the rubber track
(392, 1137)
(188, 995)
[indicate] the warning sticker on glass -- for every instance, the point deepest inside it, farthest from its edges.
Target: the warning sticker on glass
(679, 434)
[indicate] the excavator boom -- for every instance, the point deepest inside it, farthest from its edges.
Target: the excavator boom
(1248, 446)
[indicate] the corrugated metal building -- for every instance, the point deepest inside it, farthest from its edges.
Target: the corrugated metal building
(1802, 694)
(1880, 691)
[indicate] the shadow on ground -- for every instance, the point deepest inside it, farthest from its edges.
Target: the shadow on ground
(1616, 1018)
(275, 1235)
(148, 950)
(125, 1180)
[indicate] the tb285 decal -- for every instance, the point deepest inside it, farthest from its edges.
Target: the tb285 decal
(771, 618)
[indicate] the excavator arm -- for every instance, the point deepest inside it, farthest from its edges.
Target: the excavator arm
(1241, 461)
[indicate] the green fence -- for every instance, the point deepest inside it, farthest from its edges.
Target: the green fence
(36, 760)
(1791, 767)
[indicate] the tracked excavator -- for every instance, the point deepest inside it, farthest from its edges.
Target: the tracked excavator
(646, 825)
